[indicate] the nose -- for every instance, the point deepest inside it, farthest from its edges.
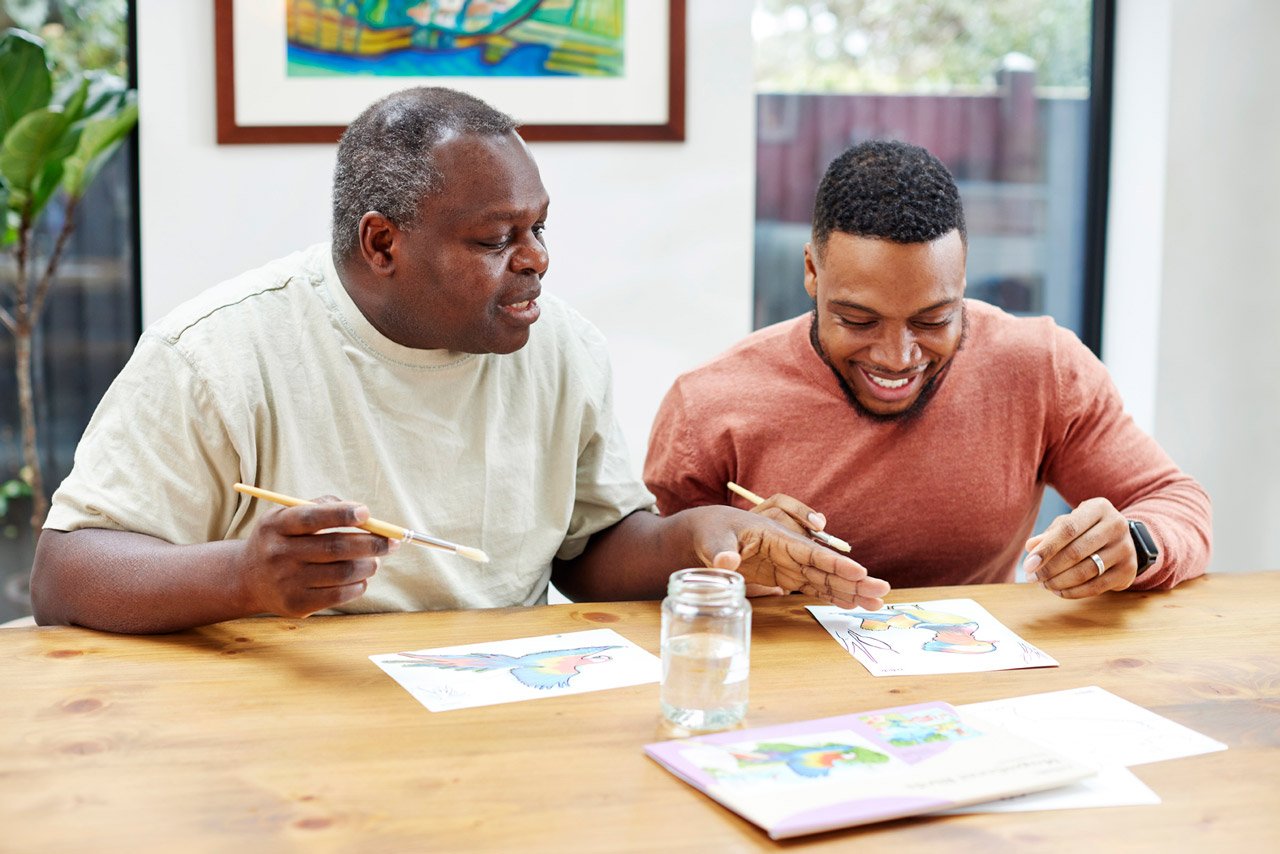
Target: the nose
(896, 349)
(530, 256)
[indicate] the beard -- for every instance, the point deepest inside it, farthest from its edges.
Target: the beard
(912, 412)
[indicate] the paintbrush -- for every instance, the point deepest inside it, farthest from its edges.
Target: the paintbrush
(820, 536)
(375, 526)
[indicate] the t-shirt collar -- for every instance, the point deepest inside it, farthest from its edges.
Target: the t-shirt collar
(358, 328)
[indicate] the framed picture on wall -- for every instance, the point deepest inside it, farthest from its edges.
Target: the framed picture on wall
(567, 70)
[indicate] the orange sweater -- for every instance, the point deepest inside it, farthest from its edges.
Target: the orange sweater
(949, 497)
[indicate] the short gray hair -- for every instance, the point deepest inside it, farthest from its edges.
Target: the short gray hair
(385, 162)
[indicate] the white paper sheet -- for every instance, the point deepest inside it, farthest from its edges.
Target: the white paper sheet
(1095, 726)
(484, 674)
(942, 636)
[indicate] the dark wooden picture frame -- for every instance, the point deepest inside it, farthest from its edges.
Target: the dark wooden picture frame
(229, 132)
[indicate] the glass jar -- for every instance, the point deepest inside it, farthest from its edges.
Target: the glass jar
(706, 646)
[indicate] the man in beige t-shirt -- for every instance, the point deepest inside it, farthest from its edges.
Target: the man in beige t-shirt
(399, 365)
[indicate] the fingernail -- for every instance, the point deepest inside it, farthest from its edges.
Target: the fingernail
(393, 546)
(360, 514)
(1029, 566)
(818, 521)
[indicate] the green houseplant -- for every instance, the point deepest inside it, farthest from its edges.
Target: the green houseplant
(53, 143)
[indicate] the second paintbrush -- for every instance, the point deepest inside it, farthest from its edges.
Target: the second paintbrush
(821, 536)
(375, 526)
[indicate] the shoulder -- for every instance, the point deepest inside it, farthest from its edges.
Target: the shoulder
(251, 301)
(565, 344)
(1022, 341)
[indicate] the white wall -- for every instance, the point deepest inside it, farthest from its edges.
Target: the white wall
(651, 241)
(1218, 389)
(1193, 288)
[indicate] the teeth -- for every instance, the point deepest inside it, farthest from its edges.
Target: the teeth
(889, 383)
(519, 306)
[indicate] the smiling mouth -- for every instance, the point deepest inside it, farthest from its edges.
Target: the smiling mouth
(892, 388)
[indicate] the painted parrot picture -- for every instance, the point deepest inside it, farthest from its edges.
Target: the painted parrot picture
(548, 669)
(808, 760)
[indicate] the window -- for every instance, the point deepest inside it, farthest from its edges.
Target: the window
(1012, 95)
(91, 318)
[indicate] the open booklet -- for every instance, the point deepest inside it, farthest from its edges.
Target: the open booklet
(810, 776)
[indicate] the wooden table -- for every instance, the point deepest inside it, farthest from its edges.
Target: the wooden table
(276, 734)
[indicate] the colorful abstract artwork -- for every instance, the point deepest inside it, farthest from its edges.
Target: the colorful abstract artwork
(483, 674)
(455, 38)
(944, 636)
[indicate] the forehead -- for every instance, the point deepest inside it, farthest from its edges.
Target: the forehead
(892, 278)
(484, 177)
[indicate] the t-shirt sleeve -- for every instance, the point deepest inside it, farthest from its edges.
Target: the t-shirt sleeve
(606, 488)
(1096, 449)
(155, 458)
(674, 470)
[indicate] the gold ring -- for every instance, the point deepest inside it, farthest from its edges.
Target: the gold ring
(1097, 561)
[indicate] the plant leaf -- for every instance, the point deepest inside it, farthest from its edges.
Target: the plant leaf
(107, 93)
(25, 84)
(98, 141)
(36, 139)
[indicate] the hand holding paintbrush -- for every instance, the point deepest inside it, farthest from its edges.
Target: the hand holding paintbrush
(821, 536)
(375, 526)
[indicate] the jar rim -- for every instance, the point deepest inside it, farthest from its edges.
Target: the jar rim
(706, 583)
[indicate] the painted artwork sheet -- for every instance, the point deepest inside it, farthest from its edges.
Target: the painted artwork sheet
(812, 776)
(942, 636)
(485, 674)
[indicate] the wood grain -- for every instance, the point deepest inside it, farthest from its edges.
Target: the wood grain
(276, 734)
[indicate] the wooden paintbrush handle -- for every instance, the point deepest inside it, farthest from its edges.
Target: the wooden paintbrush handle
(373, 526)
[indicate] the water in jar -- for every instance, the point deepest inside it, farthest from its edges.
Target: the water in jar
(704, 681)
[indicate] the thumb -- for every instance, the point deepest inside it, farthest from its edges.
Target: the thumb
(726, 560)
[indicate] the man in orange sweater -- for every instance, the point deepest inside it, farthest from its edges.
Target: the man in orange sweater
(927, 425)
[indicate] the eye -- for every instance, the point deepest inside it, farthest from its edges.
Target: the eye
(932, 324)
(854, 324)
(539, 229)
(499, 243)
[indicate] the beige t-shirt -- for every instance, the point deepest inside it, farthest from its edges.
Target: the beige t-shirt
(275, 378)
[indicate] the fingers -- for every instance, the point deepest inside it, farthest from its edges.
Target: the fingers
(802, 516)
(309, 518)
(1062, 559)
(304, 603)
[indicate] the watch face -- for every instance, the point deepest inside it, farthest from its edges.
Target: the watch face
(1144, 544)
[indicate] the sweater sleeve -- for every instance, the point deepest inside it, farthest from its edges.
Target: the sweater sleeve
(1094, 449)
(679, 469)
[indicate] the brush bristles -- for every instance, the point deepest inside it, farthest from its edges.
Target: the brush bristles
(473, 554)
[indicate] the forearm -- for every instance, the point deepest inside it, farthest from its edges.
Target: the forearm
(120, 581)
(631, 560)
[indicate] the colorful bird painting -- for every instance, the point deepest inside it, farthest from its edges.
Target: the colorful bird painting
(808, 760)
(548, 669)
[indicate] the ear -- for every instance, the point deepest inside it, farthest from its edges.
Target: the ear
(811, 271)
(378, 239)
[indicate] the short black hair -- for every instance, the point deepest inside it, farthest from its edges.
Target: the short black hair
(888, 190)
(385, 163)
